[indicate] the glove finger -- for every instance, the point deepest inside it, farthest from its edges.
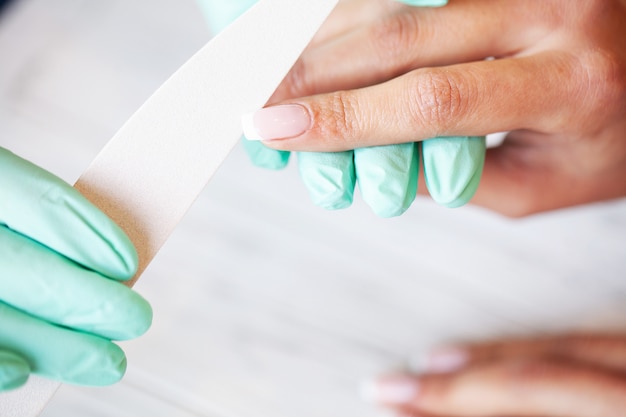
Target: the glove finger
(43, 207)
(329, 176)
(453, 167)
(50, 286)
(264, 157)
(601, 350)
(58, 353)
(387, 177)
(14, 370)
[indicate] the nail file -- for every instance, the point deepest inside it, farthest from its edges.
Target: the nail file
(153, 169)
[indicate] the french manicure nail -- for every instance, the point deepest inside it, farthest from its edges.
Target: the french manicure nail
(277, 122)
(396, 390)
(440, 361)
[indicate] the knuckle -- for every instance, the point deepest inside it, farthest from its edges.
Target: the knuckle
(391, 37)
(438, 99)
(298, 82)
(526, 372)
(589, 13)
(338, 117)
(606, 82)
(585, 17)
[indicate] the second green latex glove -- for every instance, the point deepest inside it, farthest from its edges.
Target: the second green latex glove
(386, 175)
(14, 370)
(61, 299)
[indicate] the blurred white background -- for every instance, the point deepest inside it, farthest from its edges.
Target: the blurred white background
(266, 305)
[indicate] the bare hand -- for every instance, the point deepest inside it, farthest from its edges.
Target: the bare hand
(574, 376)
(388, 73)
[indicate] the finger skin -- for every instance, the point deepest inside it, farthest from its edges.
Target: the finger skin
(522, 388)
(461, 100)
(14, 370)
(524, 177)
(351, 14)
(601, 350)
(60, 354)
(375, 50)
(46, 209)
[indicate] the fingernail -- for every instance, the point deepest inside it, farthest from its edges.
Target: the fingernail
(439, 361)
(277, 122)
(395, 390)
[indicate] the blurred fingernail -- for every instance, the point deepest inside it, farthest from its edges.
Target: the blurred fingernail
(394, 390)
(440, 361)
(277, 122)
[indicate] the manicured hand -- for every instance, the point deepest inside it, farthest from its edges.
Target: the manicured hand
(387, 176)
(550, 73)
(569, 376)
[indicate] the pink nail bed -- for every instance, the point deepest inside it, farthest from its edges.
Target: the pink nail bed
(277, 122)
(393, 390)
(442, 360)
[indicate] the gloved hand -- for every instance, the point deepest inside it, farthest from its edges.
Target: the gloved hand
(61, 299)
(386, 175)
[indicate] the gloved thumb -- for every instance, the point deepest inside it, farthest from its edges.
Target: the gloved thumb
(14, 370)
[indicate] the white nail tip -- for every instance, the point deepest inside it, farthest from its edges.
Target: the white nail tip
(397, 391)
(368, 391)
(249, 131)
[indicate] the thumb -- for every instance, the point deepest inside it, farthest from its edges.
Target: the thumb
(14, 370)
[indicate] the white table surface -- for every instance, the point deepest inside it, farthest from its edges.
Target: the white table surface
(266, 305)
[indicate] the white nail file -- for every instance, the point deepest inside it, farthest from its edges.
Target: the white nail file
(153, 169)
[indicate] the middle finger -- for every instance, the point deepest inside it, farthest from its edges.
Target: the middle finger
(407, 38)
(604, 350)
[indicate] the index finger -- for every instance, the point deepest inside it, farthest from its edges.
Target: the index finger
(472, 99)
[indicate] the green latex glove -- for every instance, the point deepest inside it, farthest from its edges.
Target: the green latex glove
(386, 175)
(61, 299)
